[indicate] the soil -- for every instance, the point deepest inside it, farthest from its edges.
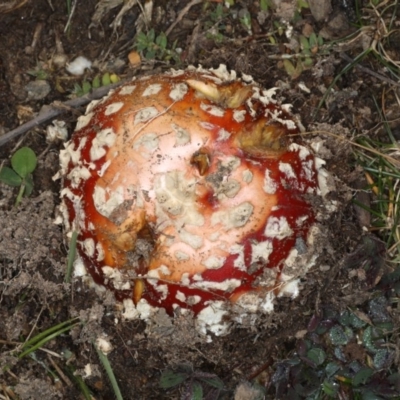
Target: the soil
(34, 251)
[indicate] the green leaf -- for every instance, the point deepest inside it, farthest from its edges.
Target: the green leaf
(289, 67)
(197, 393)
(265, 5)
(367, 339)
(105, 79)
(348, 332)
(141, 41)
(214, 382)
(331, 369)
(150, 54)
(78, 90)
(370, 395)
(151, 35)
(339, 354)
(381, 358)
(302, 4)
(304, 44)
(171, 378)
(141, 37)
(10, 177)
(316, 355)
(313, 40)
(86, 87)
(114, 78)
(28, 185)
(362, 376)
(351, 319)
(141, 46)
(24, 161)
(330, 388)
(96, 82)
(338, 336)
(246, 20)
(308, 62)
(298, 71)
(162, 40)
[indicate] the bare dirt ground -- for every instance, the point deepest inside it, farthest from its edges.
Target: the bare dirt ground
(33, 251)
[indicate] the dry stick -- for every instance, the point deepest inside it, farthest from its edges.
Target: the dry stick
(180, 16)
(71, 13)
(60, 372)
(52, 111)
(369, 71)
(9, 393)
(389, 158)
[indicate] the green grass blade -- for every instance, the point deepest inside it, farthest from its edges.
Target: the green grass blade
(44, 340)
(47, 332)
(110, 373)
(347, 68)
(71, 256)
(79, 382)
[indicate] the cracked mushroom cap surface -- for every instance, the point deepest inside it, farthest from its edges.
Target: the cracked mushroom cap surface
(190, 190)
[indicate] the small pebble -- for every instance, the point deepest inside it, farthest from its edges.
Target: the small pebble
(37, 90)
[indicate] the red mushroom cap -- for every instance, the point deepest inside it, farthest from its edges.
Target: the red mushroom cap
(187, 190)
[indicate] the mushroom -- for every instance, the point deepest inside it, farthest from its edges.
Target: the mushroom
(191, 190)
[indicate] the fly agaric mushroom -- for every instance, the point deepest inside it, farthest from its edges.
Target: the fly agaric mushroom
(191, 190)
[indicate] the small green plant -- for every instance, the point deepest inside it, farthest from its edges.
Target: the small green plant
(346, 353)
(308, 48)
(297, 14)
(80, 89)
(215, 24)
(23, 163)
(153, 46)
(197, 384)
(40, 72)
(245, 20)
(219, 13)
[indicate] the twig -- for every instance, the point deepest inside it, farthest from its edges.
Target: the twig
(369, 71)
(8, 392)
(194, 40)
(34, 326)
(50, 112)
(391, 159)
(9, 343)
(61, 374)
(71, 13)
(260, 369)
(181, 15)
